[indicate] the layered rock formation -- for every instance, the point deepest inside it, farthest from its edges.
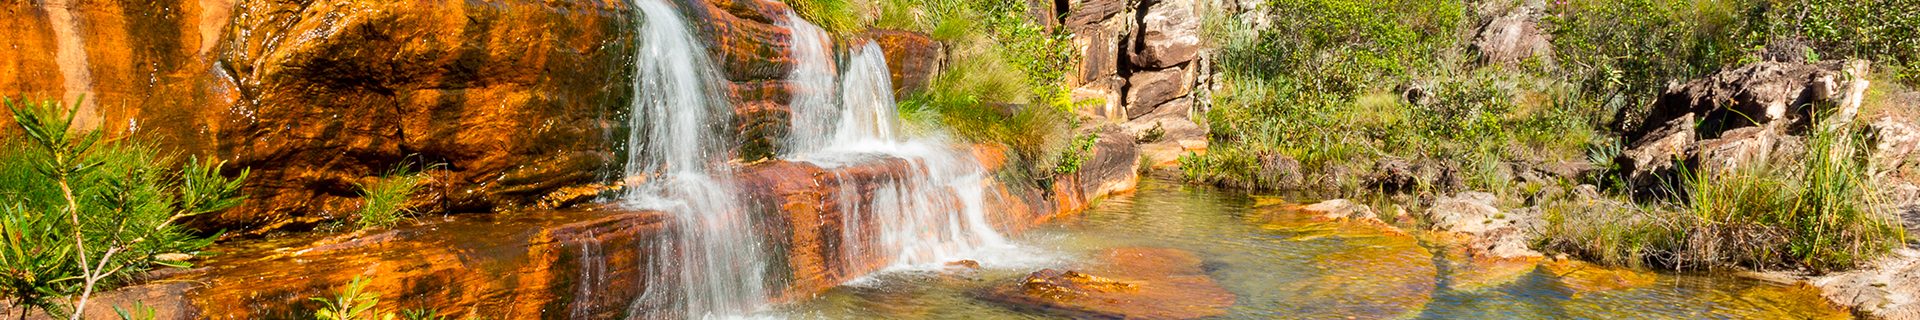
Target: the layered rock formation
(583, 263)
(1739, 116)
(510, 100)
(505, 105)
(1145, 61)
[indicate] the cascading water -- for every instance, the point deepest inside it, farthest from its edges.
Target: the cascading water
(934, 214)
(710, 263)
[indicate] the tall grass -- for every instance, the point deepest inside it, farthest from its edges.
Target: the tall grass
(384, 202)
(1815, 210)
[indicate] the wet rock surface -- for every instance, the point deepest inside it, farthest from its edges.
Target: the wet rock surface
(579, 263)
(1127, 283)
(504, 104)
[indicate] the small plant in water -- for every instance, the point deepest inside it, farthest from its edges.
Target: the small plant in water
(386, 200)
(352, 303)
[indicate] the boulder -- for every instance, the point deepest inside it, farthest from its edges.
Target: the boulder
(1169, 36)
(1147, 90)
(1086, 13)
(1104, 96)
(1493, 233)
(1101, 39)
(1514, 37)
(1762, 93)
(1649, 163)
(1896, 146)
(1735, 149)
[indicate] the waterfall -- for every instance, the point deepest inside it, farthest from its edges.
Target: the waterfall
(934, 214)
(710, 264)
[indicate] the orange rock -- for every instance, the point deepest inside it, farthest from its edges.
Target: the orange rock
(964, 264)
(1144, 283)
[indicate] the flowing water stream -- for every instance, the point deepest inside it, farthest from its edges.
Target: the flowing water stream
(1285, 270)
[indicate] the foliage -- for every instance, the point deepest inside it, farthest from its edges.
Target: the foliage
(352, 302)
(1814, 212)
(83, 213)
(384, 203)
(1885, 31)
(835, 16)
(1004, 82)
(1075, 155)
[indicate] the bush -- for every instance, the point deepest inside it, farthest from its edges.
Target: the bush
(384, 202)
(81, 213)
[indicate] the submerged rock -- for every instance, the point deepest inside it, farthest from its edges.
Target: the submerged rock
(1128, 283)
(1581, 278)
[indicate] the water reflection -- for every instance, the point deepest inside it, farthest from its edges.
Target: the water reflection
(1282, 264)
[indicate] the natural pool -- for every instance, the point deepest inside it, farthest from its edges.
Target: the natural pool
(1281, 264)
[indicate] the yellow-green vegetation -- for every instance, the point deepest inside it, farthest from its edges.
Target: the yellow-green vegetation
(80, 212)
(1816, 210)
(384, 202)
(1325, 87)
(1335, 84)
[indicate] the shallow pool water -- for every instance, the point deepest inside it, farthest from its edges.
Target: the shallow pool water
(1281, 265)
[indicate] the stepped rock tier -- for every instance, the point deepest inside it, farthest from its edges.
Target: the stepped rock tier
(517, 103)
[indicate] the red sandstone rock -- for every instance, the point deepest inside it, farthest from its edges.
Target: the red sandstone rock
(1143, 283)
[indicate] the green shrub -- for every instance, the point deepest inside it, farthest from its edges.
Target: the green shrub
(81, 213)
(384, 202)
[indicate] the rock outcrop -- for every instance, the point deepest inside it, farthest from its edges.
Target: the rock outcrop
(1493, 234)
(577, 263)
(1737, 117)
(1138, 56)
(505, 104)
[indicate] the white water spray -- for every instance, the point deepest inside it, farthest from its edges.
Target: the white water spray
(710, 264)
(934, 214)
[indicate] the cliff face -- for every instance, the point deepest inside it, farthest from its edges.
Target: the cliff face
(511, 99)
(502, 103)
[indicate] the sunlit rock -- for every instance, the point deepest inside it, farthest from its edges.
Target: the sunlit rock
(1138, 283)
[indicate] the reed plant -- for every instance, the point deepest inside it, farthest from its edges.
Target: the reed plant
(1815, 210)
